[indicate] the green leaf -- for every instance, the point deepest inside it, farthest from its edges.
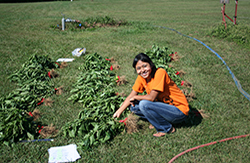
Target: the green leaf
(107, 137)
(112, 106)
(111, 122)
(96, 126)
(92, 139)
(30, 136)
(98, 134)
(72, 133)
(6, 143)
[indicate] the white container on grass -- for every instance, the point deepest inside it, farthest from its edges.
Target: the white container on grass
(78, 52)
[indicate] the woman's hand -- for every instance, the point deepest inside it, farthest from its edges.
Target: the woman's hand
(132, 101)
(125, 104)
(117, 114)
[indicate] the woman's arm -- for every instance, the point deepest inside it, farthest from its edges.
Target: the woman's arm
(125, 104)
(134, 96)
(150, 97)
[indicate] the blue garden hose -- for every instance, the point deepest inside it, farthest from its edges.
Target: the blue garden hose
(237, 83)
(36, 140)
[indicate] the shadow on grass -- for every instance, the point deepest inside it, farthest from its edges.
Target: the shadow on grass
(194, 118)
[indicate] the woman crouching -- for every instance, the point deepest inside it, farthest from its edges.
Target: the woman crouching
(163, 105)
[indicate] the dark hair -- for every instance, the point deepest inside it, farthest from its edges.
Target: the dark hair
(145, 58)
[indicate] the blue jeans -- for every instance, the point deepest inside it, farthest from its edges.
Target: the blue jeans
(159, 114)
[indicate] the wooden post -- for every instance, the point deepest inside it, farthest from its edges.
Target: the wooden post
(236, 5)
(223, 15)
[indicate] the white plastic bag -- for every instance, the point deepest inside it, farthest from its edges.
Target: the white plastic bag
(66, 153)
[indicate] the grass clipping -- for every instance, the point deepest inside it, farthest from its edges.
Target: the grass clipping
(48, 102)
(189, 94)
(53, 73)
(59, 90)
(122, 81)
(131, 124)
(49, 131)
(36, 114)
(63, 65)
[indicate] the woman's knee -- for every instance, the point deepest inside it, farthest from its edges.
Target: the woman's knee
(143, 104)
(134, 108)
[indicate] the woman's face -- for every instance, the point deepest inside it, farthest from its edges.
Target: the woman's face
(143, 69)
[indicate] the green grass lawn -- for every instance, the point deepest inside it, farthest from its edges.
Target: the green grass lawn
(25, 30)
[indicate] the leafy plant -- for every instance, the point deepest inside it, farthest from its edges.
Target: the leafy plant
(95, 62)
(15, 126)
(95, 90)
(28, 95)
(91, 23)
(33, 85)
(95, 121)
(104, 20)
(161, 57)
(36, 68)
(237, 33)
(33, 81)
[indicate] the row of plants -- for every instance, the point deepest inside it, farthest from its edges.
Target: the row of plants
(161, 57)
(236, 33)
(34, 84)
(96, 90)
(90, 23)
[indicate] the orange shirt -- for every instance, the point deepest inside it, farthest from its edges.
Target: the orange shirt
(169, 92)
